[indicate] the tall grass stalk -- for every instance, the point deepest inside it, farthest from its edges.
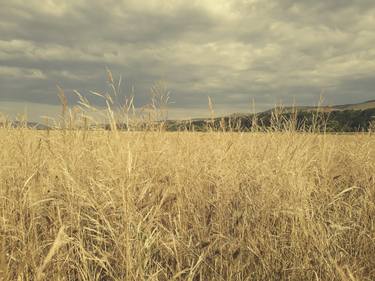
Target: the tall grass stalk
(138, 203)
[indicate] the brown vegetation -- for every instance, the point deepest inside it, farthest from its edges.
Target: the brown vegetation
(110, 205)
(84, 203)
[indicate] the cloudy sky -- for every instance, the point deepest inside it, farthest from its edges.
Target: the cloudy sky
(231, 50)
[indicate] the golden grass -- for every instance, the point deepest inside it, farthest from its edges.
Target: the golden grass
(102, 205)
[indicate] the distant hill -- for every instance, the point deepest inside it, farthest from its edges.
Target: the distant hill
(356, 106)
(337, 118)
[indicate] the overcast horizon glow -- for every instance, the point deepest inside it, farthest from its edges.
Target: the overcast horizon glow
(233, 51)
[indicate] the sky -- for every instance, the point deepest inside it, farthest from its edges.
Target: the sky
(235, 51)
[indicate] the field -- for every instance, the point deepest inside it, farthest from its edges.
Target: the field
(110, 205)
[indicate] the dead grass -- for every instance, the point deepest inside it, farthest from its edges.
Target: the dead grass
(110, 205)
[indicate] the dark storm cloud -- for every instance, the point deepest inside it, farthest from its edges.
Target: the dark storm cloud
(233, 51)
(92, 21)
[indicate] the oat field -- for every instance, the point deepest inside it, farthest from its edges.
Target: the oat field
(110, 205)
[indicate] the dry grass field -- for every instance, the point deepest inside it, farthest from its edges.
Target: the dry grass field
(109, 205)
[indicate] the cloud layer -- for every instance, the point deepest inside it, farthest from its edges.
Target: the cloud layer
(233, 51)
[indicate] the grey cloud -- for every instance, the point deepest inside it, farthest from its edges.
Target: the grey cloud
(353, 88)
(95, 21)
(233, 51)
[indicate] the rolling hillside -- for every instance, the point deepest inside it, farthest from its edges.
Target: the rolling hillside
(342, 107)
(337, 118)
